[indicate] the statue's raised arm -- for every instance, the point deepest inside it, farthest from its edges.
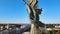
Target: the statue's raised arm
(24, 2)
(29, 10)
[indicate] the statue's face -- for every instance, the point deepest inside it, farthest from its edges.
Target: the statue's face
(29, 1)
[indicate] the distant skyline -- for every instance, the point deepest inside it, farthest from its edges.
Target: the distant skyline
(14, 11)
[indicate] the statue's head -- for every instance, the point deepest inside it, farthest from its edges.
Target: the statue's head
(29, 1)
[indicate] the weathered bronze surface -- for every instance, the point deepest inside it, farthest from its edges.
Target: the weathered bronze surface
(33, 13)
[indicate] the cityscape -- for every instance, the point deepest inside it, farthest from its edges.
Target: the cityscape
(25, 28)
(29, 16)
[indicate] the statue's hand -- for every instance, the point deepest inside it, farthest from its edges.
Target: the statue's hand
(24, 2)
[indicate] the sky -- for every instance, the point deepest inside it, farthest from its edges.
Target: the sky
(14, 11)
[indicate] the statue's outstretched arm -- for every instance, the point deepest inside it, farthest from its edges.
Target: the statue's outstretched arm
(27, 6)
(29, 10)
(24, 2)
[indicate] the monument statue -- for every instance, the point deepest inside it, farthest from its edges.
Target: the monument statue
(33, 13)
